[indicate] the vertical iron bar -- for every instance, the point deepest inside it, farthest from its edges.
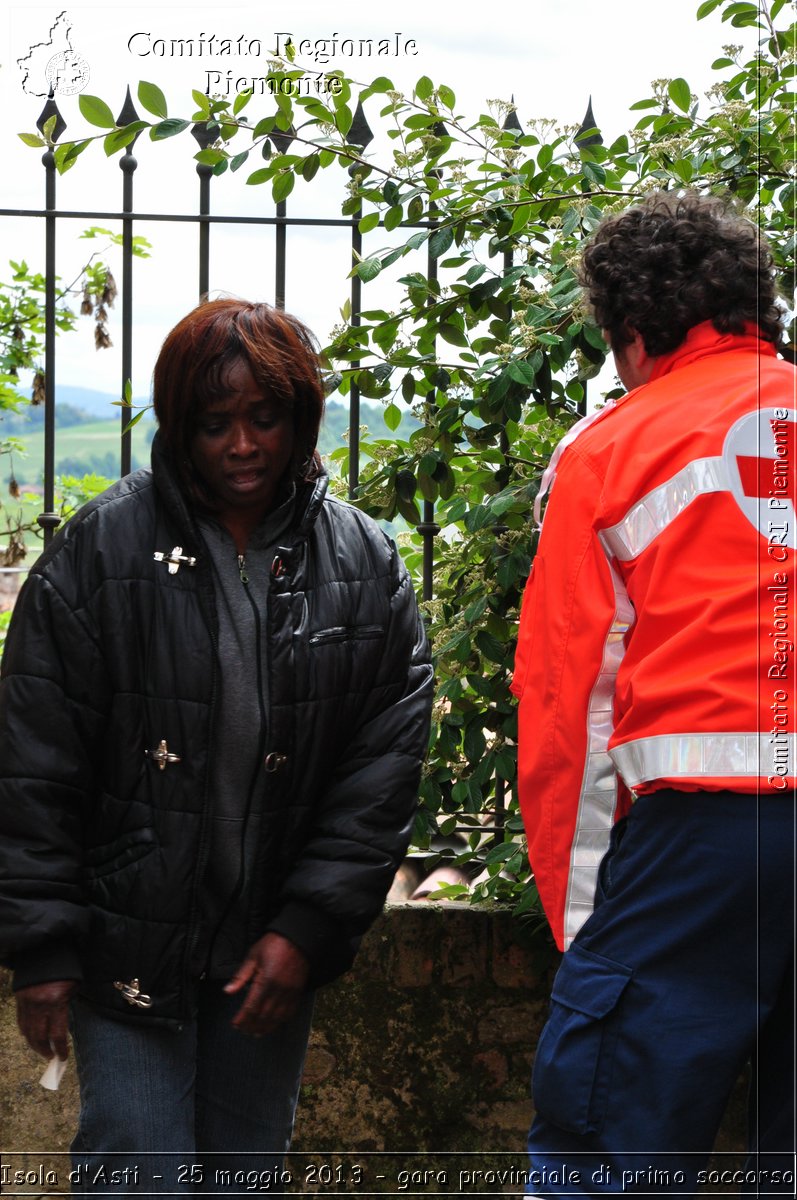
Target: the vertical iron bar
(204, 172)
(500, 810)
(128, 164)
(205, 133)
(354, 391)
(428, 527)
(358, 137)
(280, 251)
(499, 785)
(49, 519)
(281, 140)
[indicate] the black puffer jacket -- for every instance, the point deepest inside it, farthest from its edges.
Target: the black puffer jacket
(111, 656)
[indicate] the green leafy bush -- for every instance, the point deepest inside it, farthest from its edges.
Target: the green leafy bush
(480, 223)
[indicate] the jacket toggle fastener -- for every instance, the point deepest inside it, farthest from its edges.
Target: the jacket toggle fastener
(133, 994)
(175, 559)
(275, 762)
(163, 755)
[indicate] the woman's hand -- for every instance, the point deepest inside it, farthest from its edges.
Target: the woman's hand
(43, 1016)
(277, 974)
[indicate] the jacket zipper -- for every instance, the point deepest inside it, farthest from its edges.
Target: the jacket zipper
(354, 633)
(236, 891)
(204, 840)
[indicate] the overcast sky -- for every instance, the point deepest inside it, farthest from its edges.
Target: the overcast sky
(549, 54)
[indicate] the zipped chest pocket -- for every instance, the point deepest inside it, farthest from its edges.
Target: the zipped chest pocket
(346, 633)
(341, 663)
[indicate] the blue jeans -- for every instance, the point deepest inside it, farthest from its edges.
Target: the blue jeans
(205, 1109)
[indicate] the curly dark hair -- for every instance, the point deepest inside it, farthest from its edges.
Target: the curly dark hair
(673, 261)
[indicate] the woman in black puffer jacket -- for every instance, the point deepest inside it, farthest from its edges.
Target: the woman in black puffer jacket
(213, 710)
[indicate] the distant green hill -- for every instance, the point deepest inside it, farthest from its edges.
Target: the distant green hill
(87, 445)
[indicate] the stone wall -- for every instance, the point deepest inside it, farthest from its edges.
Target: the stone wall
(10, 583)
(420, 1061)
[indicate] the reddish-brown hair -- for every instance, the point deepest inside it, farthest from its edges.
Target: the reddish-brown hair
(196, 356)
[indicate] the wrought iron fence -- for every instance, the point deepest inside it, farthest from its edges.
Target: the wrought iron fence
(205, 220)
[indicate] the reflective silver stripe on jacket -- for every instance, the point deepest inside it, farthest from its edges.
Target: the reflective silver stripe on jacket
(598, 798)
(654, 512)
(705, 755)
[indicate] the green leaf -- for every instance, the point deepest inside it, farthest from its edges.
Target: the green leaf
(260, 176)
(452, 334)
(282, 186)
(683, 168)
(743, 14)
(392, 256)
(406, 485)
(120, 138)
(344, 118)
(424, 88)
(208, 158)
(417, 239)
(134, 421)
(380, 84)
(447, 97)
(310, 166)
(152, 99)
(241, 100)
(595, 338)
(474, 744)
(167, 129)
(521, 218)
(66, 155)
(680, 94)
(707, 7)
(202, 101)
(368, 269)
(96, 112)
(522, 372)
(440, 241)
(415, 210)
(427, 486)
(368, 222)
(32, 139)
(421, 121)
(392, 417)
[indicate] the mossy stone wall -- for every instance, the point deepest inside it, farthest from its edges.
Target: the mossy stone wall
(419, 1062)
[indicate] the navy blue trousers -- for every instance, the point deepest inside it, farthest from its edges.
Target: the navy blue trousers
(683, 973)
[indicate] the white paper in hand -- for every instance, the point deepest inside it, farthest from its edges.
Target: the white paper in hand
(53, 1072)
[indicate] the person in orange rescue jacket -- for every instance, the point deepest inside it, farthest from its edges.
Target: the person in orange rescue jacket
(655, 672)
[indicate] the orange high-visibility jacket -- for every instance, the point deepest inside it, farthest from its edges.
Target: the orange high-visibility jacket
(657, 633)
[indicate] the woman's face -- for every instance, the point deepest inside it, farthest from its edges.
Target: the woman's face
(242, 447)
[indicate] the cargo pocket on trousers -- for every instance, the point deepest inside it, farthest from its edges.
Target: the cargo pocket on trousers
(573, 1063)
